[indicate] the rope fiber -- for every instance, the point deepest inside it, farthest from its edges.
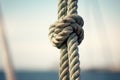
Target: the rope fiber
(66, 34)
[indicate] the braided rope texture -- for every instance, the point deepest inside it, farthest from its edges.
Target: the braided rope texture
(66, 34)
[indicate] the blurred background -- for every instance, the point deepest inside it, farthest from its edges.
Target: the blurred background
(26, 24)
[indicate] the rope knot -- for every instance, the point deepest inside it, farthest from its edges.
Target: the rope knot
(63, 28)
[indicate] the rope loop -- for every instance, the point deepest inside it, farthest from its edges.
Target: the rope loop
(63, 28)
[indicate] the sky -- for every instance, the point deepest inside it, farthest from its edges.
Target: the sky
(27, 23)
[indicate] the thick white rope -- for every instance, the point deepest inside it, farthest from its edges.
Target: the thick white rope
(66, 34)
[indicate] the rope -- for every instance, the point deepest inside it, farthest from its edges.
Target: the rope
(66, 34)
(64, 61)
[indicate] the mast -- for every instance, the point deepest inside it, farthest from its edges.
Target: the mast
(7, 63)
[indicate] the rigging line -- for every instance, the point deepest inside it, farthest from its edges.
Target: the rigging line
(8, 66)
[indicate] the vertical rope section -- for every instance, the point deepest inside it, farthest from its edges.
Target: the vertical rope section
(64, 61)
(62, 8)
(72, 6)
(66, 34)
(72, 44)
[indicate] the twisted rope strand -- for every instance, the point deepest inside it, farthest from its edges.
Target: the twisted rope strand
(72, 44)
(74, 63)
(62, 8)
(64, 61)
(72, 7)
(64, 64)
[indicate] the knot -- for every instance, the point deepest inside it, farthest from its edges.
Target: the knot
(63, 28)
